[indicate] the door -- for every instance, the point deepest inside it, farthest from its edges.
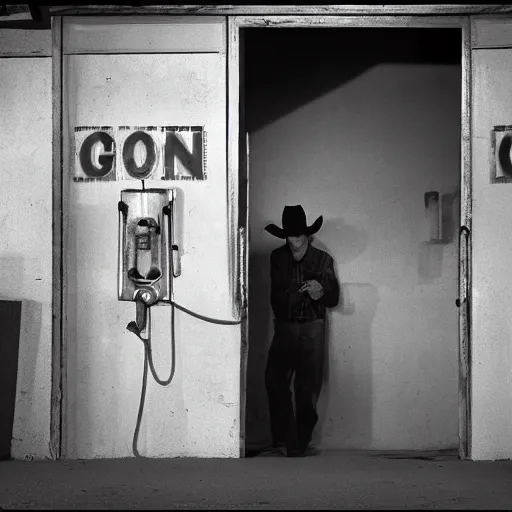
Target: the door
(144, 72)
(491, 135)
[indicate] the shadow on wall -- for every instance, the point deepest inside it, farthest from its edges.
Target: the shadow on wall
(30, 341)
(449, 215)
(430, 253)
(26, 411)
(278, 60)
(257, 432)
(354, 240)
(348, 379)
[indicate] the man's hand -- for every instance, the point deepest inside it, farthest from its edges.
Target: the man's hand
(314, 288)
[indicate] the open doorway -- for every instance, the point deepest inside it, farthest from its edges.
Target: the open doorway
(357, 125)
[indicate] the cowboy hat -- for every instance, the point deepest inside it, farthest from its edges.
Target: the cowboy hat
(294, 223)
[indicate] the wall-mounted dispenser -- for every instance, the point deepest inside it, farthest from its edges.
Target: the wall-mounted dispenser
(432, 206)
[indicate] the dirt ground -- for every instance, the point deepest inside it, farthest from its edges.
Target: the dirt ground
(330, 480)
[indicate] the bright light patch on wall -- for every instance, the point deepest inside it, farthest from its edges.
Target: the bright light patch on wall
(106, 153)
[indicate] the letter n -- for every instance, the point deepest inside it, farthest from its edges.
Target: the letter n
(184, 153)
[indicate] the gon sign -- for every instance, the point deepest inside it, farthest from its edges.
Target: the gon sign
(106, 153)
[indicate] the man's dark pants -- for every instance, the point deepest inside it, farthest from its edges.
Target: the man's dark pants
(296, 348)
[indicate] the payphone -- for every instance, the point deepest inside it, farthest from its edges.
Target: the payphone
(147, 254)
(148, 261)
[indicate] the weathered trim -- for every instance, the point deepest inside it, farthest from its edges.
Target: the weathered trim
(56, 387)
(490, 32)
(465, 425)
(163, 52)
(244, 273)
(310, 10)
(232, 127)
(65, 180)
(25, 43)
(236, 234)
(25, 56)
(147, 34)
(350, 21)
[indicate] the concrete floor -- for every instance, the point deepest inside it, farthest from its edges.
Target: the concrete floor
(330, 480)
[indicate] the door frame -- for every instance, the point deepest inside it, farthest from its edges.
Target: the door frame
(238, 175)
(239, 17)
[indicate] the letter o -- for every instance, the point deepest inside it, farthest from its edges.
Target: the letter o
(130, 165)
(504, 154)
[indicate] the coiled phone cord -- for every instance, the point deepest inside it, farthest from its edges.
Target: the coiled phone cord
(148, 361)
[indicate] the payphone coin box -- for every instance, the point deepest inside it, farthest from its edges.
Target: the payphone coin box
(145, 245)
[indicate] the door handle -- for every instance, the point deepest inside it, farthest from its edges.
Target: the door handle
(242, 272)
(464, 231)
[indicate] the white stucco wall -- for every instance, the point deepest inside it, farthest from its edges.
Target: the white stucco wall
(492, 254)
(26, 237)
(198, 414)
(363, 154)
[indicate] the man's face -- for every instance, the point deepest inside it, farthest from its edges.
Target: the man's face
(297, 243)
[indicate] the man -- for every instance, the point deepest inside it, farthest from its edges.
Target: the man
(303, 285)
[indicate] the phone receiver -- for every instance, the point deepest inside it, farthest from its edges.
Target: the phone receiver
(152, 276)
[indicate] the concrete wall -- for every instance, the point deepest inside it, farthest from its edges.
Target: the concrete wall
(105, 364)
(198, 413)
(26, 236)
(359, 138)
